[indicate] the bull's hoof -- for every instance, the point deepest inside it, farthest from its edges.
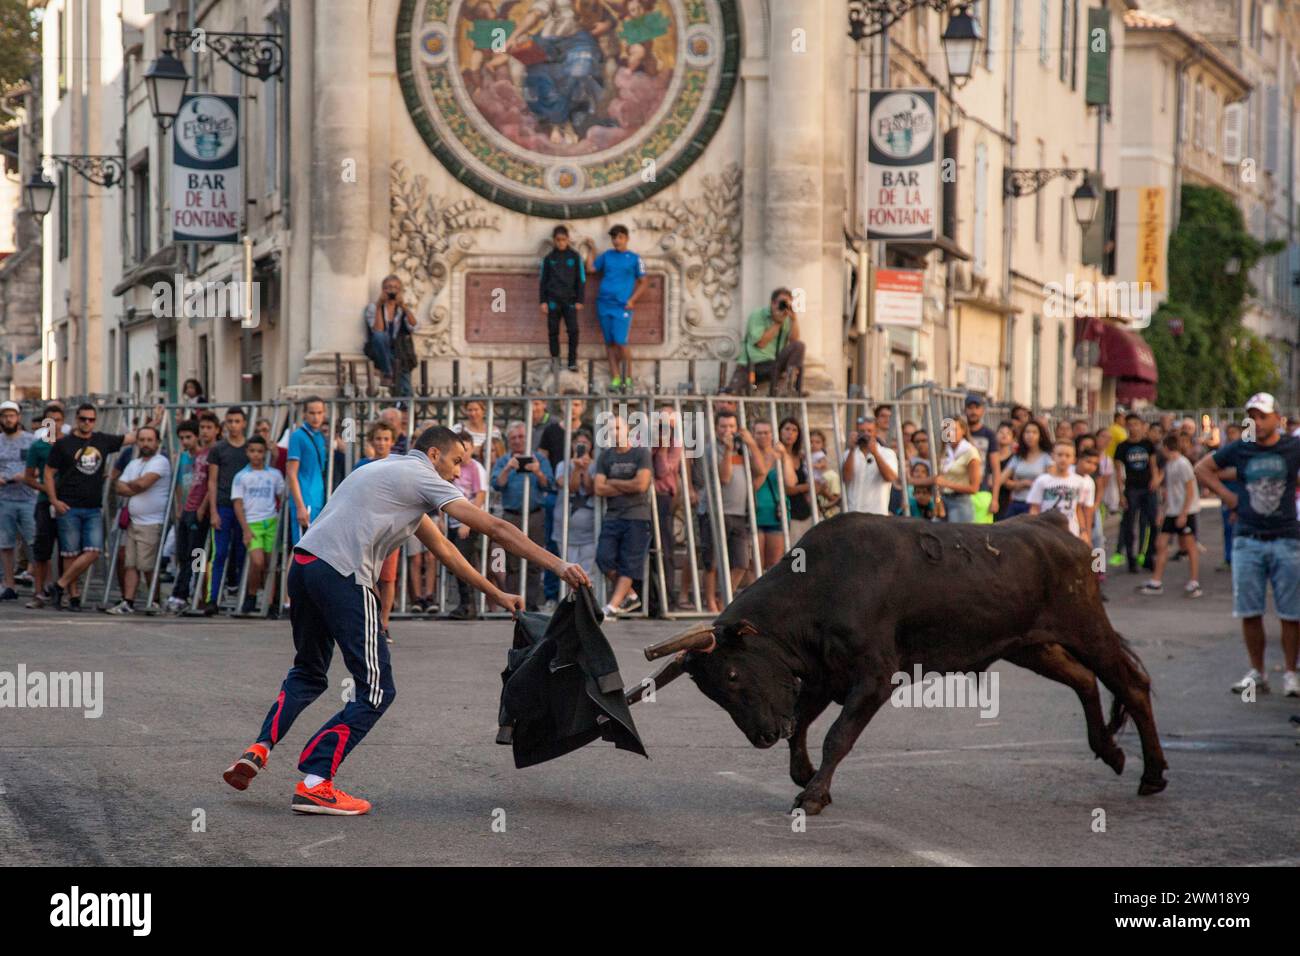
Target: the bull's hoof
(811, 803)
(802, 774)
(1148, 787)
(1113, 758)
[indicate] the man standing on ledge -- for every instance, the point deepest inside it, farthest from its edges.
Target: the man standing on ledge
(622, 282)
(331, 587)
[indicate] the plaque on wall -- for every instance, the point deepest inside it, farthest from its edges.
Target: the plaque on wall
(501, 308)
(567, 108)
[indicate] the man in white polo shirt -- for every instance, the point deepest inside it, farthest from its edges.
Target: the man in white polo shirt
(146, 485)
(332, 577)
(870, 469)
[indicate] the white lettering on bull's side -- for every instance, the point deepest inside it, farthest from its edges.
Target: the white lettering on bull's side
(953, 689)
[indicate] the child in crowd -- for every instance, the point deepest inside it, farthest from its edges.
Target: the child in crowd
(1182, 505)
(256, 494)
(1061, 489)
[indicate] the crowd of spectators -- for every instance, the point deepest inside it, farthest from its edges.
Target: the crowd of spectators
(747, 495)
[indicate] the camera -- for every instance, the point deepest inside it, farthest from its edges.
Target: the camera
(525, 460)
(580, 450)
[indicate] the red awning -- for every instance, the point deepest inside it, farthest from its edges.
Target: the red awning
(1123, 354)
(1131, 390)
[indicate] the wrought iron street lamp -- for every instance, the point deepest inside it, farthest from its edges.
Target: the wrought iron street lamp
(1026, 182)
(166, 79)
(960, 40)
(98, 169)
(1086, 201)
(259, 55)
(38, 194)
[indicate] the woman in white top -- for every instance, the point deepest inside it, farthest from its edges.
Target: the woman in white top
(475, 423)
(960, 472)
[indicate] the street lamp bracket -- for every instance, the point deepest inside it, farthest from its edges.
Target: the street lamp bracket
(259, 55)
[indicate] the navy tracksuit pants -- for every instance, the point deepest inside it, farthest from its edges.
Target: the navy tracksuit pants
(326, 609)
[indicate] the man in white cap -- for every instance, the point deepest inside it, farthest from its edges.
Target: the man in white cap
(1266, 538)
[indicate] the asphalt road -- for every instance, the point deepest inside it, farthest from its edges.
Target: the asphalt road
(923, 787)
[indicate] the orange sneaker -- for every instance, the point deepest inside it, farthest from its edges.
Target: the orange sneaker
(246, 767)
(326, 798)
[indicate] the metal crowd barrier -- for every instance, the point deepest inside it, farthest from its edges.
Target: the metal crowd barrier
(351, 416)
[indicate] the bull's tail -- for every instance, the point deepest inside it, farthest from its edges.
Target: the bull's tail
(1118, 712)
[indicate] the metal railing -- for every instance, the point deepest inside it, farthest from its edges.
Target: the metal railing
(697, 473)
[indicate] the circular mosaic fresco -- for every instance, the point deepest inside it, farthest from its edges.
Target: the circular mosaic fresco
(567, 108)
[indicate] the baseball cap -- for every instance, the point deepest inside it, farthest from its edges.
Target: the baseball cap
(1265, 402)
(9, 407)
(973, 399)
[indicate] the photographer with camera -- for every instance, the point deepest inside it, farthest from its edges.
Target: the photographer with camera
(511, 473)
(579, 473)
(771, 351)
(870, 469)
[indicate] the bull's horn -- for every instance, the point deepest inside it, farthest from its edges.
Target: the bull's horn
(697, 638)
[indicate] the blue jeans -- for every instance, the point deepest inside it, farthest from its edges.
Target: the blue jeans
(230, 541)
(1017, 508)
(80, 529)
(17, 519)
(383, 346)
(960, 509)
(1256, 564)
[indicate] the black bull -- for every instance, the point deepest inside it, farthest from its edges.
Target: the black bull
(863, 597)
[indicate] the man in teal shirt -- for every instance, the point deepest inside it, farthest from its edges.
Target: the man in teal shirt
(307, 466)
(771, 351)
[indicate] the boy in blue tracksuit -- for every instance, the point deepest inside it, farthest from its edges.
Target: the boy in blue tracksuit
(563, 285)
(622, 282)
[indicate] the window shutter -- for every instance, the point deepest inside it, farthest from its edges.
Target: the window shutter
(1233, 116)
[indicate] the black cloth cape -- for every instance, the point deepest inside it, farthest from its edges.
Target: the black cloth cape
(561, 688)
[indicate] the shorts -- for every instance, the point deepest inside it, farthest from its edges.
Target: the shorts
(46, 533)
(80, 529)
(615, 323)
(623, 545)
(413, 547)
(388, 571)
(1170, 526)
(17, 518)
(142, 542)
(263, 534)
(739, 543)
(1256, 564)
